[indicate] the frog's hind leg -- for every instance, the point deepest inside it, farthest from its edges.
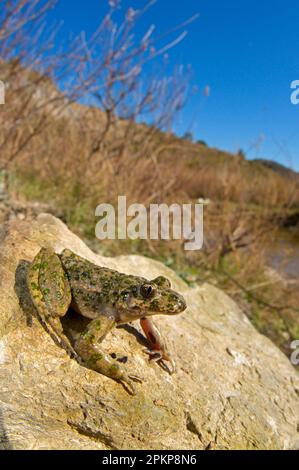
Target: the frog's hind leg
(50, 292)
(87, 346)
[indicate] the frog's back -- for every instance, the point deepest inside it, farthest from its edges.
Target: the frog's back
(78, 268)
(94, 288)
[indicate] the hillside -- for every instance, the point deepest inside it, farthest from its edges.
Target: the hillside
(278, 168)
(88, 131)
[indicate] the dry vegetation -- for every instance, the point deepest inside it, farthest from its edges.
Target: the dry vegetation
(75, 156)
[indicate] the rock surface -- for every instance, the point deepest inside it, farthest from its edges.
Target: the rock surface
(233, 388)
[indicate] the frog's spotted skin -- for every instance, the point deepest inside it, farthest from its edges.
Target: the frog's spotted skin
(106, 297)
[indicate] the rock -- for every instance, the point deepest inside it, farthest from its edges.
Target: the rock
(233, 389)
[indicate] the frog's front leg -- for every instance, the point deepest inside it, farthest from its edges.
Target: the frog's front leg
(158, 349)
(87, 346)
(50, 292)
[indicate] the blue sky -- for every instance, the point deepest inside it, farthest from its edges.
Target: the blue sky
(246, 51)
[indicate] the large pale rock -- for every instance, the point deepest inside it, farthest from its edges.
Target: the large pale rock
(233, 387)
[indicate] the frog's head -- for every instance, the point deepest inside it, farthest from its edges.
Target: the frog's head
(146, 298)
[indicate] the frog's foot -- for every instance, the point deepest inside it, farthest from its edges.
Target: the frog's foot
(154, 356)
(158, 350)
(172, 368)
(127, 382)
(87, 346)
(158, 356)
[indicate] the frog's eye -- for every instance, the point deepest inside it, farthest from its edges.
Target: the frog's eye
(147, 291)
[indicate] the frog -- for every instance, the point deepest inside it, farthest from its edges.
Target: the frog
(106, 298)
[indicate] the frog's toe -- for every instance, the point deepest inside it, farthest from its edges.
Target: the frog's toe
(153, 355)
(127, 382)
(136, 378)
(168, 365)
(171, 367)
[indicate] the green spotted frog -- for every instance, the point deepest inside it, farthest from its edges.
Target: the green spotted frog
(107, 298)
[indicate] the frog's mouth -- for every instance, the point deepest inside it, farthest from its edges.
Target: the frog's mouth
(135, 312)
